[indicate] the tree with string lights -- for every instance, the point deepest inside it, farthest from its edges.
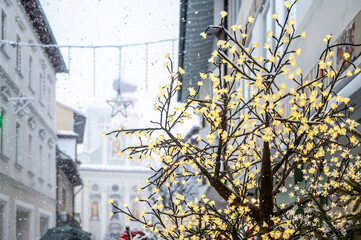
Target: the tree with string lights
(254, 145)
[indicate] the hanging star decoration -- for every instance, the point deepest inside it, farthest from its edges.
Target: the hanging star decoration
(20, 103)
(119, 105)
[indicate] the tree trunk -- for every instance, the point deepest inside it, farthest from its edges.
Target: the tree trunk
(266, 188)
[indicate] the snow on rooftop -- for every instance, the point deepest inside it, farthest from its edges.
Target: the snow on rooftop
(67, 133)
(78, 111)
(112, 168)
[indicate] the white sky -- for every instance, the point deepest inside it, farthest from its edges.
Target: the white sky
(111, 22)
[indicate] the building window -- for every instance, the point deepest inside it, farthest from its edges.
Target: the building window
(2, 128)
(22, 225)
(2, 220)
(235, 9)
(94, 210)
(3, 24)
(18, 55)
(40, 88)
(30, 72)
(17, 143)
(44, 225)
(267, 26)
(43, 85)
(49, 101)
(115, 230)
(115, 148)
(115, 216)
(281, 10)
(135, 208)
(30, 151)
(49, 167)
(298, 174)
(40, 161)
(63, 192)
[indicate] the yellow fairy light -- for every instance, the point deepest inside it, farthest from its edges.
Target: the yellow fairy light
(269, 34)
(181, 71)
(287, 4)
(275, 16)
(223, 14)
(192, 92)
(303, 34)
(285, 40)
(203, 75)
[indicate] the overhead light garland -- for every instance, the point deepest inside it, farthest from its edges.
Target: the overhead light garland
(14, 44)
(118, 104)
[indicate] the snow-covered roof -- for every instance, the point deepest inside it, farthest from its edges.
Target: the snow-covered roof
(112, 168)
(67, 133)
(42, 27)
(70, 108)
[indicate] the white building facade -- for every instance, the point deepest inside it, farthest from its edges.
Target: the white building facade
(27, 132)
(106, 174)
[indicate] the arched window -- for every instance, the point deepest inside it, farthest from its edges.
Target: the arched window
(115, 148)
(115, 230)
(115, 216)
(94, 210)
(135, 208)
